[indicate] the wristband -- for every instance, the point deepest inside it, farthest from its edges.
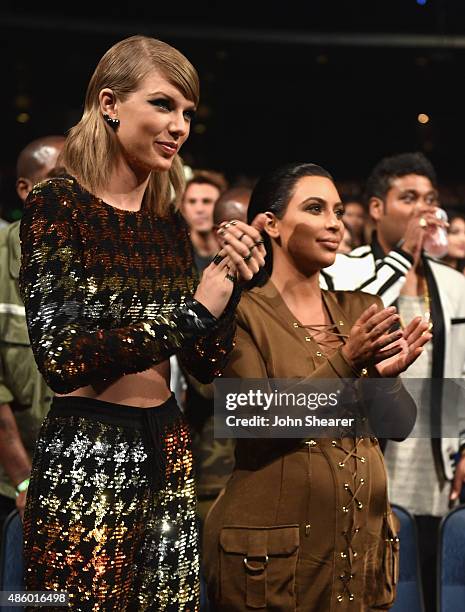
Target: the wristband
(22, 486)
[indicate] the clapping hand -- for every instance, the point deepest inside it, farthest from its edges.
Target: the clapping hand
(414, 337)
(370, 335)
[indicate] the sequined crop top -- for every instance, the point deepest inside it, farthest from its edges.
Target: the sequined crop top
(109, 292)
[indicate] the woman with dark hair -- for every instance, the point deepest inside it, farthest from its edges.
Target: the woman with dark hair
(306, 525)
(108, 282)
(456, 241)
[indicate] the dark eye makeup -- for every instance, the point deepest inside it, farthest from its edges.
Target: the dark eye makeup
(162, 102)
(189, 114)
(314, 207)
(167, 105)
(317, 208)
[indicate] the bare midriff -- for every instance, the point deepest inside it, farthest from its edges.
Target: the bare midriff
(141, 390)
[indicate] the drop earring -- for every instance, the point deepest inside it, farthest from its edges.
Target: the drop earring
(114, 123)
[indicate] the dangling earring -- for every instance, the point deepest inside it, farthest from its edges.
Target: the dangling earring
(114, 123)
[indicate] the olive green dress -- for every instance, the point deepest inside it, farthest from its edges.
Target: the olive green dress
(301, 525)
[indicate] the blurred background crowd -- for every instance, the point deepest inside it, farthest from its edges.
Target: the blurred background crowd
(339, 84)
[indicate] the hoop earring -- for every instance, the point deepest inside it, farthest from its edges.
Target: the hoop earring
(113, 123)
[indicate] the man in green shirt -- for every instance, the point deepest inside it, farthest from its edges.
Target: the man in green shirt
(24, 396)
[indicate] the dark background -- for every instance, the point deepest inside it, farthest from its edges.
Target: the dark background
(337, 83)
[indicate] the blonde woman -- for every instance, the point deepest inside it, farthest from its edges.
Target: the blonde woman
(107, 280)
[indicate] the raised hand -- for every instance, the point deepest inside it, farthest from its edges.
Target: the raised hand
(414, 337)
(422, 221)
(244, 247)
(369, 335)
(216, 285)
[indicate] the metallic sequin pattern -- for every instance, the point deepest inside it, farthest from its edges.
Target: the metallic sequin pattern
(109, 292)
(110, 516)
(94, 525)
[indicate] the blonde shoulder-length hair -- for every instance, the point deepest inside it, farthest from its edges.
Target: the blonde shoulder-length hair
(90, 149)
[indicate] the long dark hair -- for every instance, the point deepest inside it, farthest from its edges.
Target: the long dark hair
(272, 193)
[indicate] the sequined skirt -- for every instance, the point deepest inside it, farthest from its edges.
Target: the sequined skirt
(111, 513)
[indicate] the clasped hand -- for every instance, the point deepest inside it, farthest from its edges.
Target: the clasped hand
(243, 245)
(241, 256)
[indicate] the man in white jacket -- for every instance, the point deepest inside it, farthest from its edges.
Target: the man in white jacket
(401, 195)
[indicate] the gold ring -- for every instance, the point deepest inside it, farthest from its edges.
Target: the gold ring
(423, 222)
(218, 259)
(241, 236)
(248, 257)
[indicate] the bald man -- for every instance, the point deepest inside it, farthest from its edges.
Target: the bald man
(232, 204)
(35, 162)
(24, 396)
